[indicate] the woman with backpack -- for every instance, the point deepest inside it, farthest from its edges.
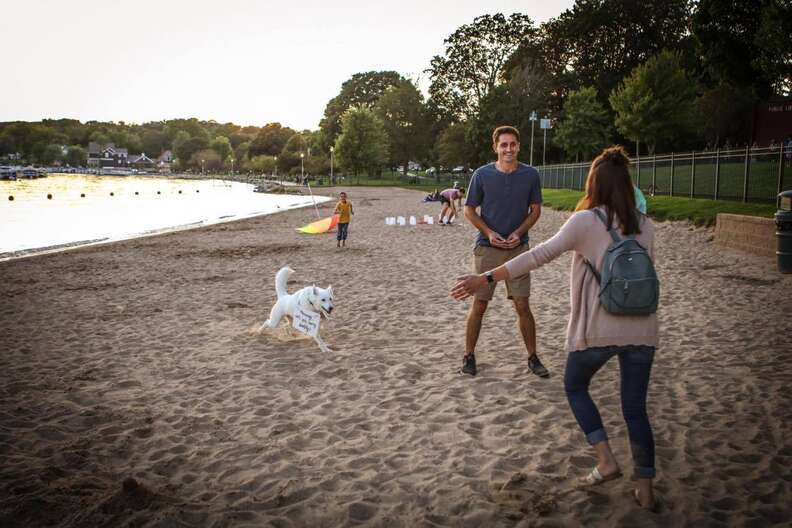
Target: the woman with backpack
(614, 293)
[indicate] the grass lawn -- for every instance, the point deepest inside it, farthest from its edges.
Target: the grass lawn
(693, 180)
(700, 212)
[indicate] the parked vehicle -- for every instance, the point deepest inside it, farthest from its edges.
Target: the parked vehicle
(28, 172)
(8, 173)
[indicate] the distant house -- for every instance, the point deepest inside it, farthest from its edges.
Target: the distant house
(164, 161)
(107, 155)
(141, 162)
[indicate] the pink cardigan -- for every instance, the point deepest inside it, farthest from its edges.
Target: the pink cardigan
(589, 324)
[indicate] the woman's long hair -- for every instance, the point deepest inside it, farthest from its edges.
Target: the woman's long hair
(609, 184)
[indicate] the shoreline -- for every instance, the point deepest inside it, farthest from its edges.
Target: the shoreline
(66, 246)
(48, 250)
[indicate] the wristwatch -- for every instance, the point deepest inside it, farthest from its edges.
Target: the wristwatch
(490, 278)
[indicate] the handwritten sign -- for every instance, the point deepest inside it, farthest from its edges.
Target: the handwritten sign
(306, 322)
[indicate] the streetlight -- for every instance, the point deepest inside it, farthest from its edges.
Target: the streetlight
(302, 169)
(275, 174)
(331, 166)
(533, 120)
(203, 172)
(232, 168)
(545, 124)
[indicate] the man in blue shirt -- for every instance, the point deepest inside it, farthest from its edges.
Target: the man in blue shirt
(508, 195)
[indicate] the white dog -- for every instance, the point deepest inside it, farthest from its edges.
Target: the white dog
(310, 298)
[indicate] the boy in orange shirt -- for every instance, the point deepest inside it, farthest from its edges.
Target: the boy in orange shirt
(344, 210)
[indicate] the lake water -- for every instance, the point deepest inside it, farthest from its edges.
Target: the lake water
(93, 209)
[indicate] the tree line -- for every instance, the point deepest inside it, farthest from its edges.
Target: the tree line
(659, 74)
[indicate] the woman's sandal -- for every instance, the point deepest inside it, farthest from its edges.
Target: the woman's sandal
(595, 477)
(654, 508)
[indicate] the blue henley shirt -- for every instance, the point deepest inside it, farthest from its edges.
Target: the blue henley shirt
(505, 199)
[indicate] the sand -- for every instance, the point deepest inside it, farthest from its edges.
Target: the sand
(136, 391)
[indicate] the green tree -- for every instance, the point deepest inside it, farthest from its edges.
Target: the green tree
(474, 62)
(585, 127)
(72, 130)
(237, 138)
(192, 127)
(318, 164)
(221, 145)
(361, 90)
(181, 138)
(289, 157)
(363, 143)
(598, 43)
(723, 112)
(497, 108)
(746, 43)
(226, 129)
(260, 164)
(656, 102)
(50, 154)
(99, 137)
(153, 142)
(207, 159)
(185, 146)
(509, 104)
(241, 152)
(123, 138)
(405, 118)
(453, 147)
(270, 140)
(40, 136)
(317, 159)
(14, 137)
(76, 156)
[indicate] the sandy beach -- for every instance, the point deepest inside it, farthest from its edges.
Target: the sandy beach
(136, 391)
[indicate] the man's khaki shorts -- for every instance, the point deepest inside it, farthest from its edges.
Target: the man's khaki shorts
(486, 258)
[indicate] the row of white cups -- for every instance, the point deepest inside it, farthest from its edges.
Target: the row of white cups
(400, 220)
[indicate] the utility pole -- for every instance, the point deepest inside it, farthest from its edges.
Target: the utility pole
(544, 124)
(533, 121)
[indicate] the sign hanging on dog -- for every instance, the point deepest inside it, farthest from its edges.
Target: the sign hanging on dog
(306, 322)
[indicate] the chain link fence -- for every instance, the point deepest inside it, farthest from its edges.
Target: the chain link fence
(747, 175)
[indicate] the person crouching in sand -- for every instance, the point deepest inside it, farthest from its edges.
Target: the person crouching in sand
(594, 335)
(451, 200)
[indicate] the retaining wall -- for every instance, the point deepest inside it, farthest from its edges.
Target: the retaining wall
(747, 233)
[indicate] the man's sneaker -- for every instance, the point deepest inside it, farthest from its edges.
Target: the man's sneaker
(469, 364)
(535, 366)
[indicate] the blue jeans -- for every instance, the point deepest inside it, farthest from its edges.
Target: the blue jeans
(635, 365)
(343, 229)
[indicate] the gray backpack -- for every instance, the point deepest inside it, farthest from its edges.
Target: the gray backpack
(629, 284)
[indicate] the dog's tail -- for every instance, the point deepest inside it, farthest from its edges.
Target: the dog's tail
(281, 279)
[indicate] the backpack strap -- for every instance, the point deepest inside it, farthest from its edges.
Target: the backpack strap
(614, 235)
(593, 270)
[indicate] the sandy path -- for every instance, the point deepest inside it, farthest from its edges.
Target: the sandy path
(138, 362)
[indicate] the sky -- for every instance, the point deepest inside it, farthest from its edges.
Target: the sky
(245, 61)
